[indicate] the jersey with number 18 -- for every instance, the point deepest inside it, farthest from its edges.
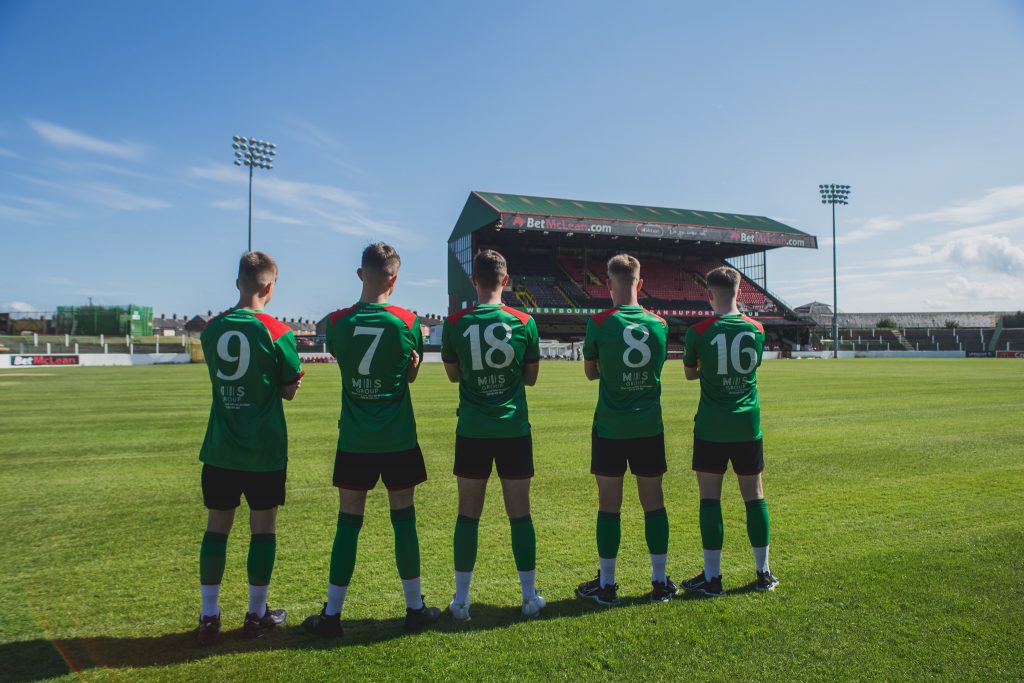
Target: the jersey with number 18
(491, 343)
(250, 355)
(373, 343)
(630, 344)
(729, 350)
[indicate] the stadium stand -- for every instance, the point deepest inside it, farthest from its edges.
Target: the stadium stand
(1011, 339)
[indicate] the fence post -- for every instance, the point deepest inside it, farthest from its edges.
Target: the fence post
(131, 349)
(35, 339)
(67, 340)
(76, 348)
(106, 349)
(21, 347)
(325, 347)
(127, 340)
(48, 347)
(158, 344)
(102, 341)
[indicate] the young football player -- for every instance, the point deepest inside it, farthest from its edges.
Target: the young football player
(378, 347)
(625, 348)
(492, 352)
(724, 352)
(253, 364)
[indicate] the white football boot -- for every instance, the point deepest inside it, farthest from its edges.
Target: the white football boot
(460, 611)
(534, 605)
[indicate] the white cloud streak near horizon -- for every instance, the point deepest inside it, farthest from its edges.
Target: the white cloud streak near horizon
(66, 138)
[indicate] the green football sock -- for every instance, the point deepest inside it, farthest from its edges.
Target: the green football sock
(343, 552)
(524, 543)
(466, 532)
(609, 533)
(656, 531)
(758, 528)
(712, 528)
(407, 544)
(212, 556)
(262, 550)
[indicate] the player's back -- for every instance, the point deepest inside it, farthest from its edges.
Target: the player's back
(729, 349)
(491, 343)
(249, 355)
(630, 344)
(373, 343)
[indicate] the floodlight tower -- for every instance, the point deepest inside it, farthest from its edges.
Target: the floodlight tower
(834, 194)
(254, 154)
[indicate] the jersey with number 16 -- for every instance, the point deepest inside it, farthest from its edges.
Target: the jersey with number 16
(249, 355)
(729, 350)
(373, 343)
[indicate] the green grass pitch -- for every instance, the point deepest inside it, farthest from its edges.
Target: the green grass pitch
(896, 490)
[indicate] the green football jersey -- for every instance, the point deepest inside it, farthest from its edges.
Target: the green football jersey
(630, 345)
(373, 343)
(250, 355)
(491, 343)
(729, 350)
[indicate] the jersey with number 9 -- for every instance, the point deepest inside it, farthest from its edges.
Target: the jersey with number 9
(373, 344)
(729, 350)
(630, 344)
(250, 355)
(491, 343)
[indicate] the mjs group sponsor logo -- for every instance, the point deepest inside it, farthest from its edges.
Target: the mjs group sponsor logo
(30, 361)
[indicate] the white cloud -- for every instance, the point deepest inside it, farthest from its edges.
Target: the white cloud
(101, 194)
(988, 252)
(996, 201)
(65, 138)
(17, 307)
(333, 207)
(258, 214)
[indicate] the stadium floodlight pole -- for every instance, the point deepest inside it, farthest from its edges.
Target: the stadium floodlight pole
(834, 194)
(254, 154)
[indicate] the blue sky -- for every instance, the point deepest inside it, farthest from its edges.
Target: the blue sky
(116, 180)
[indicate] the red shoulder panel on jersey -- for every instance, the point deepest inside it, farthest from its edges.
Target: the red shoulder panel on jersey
(664, 322)
(603, 315)
(522, 317)
(759, 326)
(341, 313)
(457, 315)
(407, 317)
(702, 327)
(276, 328)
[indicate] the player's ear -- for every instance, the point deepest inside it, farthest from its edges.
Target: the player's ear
(359, 272)
(238, 284)
(639, 284)
(504, 281)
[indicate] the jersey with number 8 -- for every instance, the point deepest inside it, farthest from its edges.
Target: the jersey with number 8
(729, 350)
(249, 355)
(630, 345)
(373, 343)
(491, 343)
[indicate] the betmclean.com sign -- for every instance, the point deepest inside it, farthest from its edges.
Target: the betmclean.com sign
(32, 361)
(695, 233)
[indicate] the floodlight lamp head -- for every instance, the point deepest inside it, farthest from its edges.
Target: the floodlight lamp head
(237, 162)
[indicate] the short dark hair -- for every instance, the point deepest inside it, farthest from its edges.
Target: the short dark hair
(381, 258)
(255, 270)
(489, 268)
(724, 277)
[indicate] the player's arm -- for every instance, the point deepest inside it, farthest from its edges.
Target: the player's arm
(416, 355)
(531, 360)
(291, 367)
(449, 356)
(288, 391)
(590, 366)
(691, 361)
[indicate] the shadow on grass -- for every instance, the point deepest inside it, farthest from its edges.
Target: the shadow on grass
(34, 660)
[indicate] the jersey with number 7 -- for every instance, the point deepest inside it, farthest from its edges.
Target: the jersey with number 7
(729, 349)
(491, 343)
(249, 355)
(630, 344)
(373, 343)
